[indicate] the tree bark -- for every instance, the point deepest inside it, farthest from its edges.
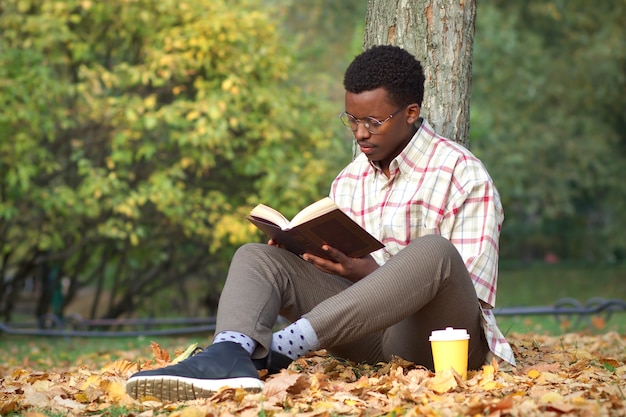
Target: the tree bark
(440, 33)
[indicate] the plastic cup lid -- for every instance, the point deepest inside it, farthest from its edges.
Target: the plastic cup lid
(448, 334)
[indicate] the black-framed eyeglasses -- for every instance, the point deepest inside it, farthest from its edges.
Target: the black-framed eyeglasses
(370, 123)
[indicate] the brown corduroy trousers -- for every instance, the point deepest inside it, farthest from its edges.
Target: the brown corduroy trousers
(392, 311)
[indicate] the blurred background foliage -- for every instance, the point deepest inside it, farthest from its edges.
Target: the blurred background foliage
(136, 135)
(548, 119)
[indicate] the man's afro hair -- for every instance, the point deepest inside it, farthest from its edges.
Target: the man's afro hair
(389, 67)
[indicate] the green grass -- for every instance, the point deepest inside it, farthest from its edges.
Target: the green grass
(541, 284)
(55, 352)
(544, 285)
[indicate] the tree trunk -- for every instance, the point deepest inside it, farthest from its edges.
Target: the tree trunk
(440, 33)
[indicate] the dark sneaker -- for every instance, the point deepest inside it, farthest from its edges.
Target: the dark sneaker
(273, 362)
(224, 364)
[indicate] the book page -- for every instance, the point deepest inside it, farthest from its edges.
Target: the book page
(317, 209)
(267, 213)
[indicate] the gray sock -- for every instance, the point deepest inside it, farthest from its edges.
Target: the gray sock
(297, 339)
(246, 342)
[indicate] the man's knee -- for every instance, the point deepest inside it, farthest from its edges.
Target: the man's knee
(440, 243)
(436, 246)
(250, 250)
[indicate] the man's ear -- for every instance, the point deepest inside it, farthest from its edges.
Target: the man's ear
(412, 113)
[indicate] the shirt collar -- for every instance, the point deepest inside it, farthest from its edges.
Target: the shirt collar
(412, 153)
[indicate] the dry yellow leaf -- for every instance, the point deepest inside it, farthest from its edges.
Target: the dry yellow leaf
(115, 390)
(42, 385)
(192, 412)
(150, 401)
(82, 397)
(443, 381)
(551, 397)
(191, 348)
(488, 370)
(121, 368)
(534, 374)
(490, 385)
(93, 380)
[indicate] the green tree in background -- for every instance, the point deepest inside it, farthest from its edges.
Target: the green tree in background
(135, 137)
(547, 118)
(328, 35)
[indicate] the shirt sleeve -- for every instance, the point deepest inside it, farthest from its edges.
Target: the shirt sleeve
(472, 221)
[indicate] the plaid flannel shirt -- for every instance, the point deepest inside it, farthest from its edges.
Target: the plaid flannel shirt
(436, 186)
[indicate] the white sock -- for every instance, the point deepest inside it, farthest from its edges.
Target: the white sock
(246, 342)
(297, 339)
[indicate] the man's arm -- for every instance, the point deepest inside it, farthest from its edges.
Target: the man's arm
(472, 223)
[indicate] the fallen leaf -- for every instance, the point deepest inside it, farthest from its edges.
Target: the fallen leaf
(34, 398)
(116, 391)
(551, 397)
(121, 368)
(161, 355)
(280, 385)
(60, 404)
(598, 322)
(192, 412)
(187, 353)
(504, 404)
(443, 381)
(561, 407)
(576, 374)
(7, 407)
(533, 374)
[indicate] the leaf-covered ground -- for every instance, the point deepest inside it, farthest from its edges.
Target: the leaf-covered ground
(571, 375)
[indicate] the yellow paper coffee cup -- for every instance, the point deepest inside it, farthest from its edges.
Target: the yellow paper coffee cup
(450, 348)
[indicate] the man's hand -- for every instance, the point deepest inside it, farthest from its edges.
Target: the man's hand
(353, 269)
(271, 242)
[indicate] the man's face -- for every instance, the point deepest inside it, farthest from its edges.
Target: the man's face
(392, 136)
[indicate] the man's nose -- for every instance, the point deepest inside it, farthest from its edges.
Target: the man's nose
(361, 132)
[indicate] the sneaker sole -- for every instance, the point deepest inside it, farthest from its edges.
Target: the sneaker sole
(173, 388)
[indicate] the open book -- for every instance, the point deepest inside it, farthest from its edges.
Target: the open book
(320, 223)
